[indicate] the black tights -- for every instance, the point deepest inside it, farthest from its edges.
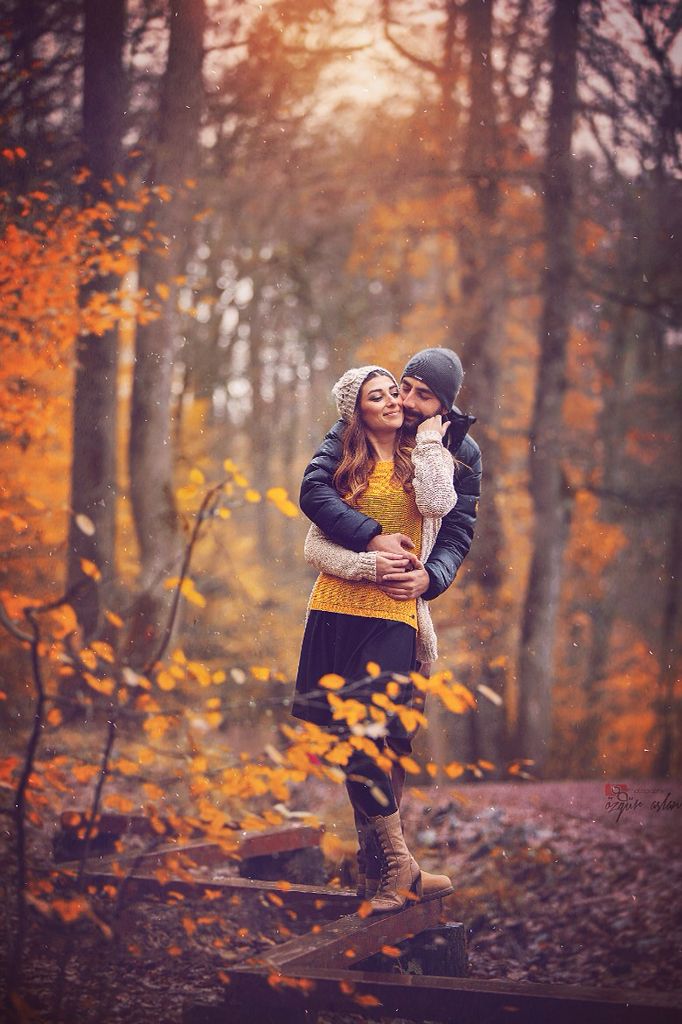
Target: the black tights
(372, 791)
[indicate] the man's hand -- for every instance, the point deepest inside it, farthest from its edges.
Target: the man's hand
(397, 543)
(434, 423)
(403, 586)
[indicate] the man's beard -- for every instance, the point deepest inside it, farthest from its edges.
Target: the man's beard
(410, 423)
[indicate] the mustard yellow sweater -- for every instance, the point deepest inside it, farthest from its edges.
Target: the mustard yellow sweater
(386, 501)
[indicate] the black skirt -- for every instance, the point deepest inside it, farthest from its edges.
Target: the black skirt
(344, 644)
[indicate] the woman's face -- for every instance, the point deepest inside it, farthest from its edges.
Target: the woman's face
(380, 405)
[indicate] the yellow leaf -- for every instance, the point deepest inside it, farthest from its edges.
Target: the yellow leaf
(54, 716)
(165, 681)
(288, 509)
(252, 496)
(331, 681)
(186, 493)
(84, 772)
(113, 618)
(454, 769)
(499, 662)
(119, 803)
(126, 767)
(90, 569)
(373, 669)
(88, 657)
(410, 765)
(105, 651)
(218, 677)
(260, 672)
(162, 290)
(196, 476)
(200, 673)
(191, 594)
(105, 686)
(156, 726)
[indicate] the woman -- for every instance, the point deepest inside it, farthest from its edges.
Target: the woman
(407, 486)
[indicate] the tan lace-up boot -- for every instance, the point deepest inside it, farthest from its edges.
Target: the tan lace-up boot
(433, 886)
(400, 874)
(369, 862)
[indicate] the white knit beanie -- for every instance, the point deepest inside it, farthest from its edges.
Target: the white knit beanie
(347, 388)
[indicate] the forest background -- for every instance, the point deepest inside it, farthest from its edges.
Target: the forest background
(209, 211)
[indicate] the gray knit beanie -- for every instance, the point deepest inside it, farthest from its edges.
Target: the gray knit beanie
(347, 388)
(441, 370)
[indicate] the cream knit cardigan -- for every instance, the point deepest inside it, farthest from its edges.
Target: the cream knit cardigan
(435, 495)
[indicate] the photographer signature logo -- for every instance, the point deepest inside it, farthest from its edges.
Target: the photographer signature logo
(622, 799)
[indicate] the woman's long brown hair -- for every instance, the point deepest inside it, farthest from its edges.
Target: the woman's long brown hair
(358, 458)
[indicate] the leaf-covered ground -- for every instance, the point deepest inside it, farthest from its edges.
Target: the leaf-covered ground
(551, 887)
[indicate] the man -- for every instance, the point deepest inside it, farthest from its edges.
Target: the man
(429, 386)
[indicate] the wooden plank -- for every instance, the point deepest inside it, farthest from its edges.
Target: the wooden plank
(235, 846)
(109, 827)
(353, 938)
(321, 901)
(281, 839)
(112, 824)
(257, 995)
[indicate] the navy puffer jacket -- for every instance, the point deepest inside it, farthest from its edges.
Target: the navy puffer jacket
(351, 529)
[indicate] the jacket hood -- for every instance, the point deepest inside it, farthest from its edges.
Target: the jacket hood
(460, 422)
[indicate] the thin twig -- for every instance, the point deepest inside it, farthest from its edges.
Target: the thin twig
(202, 515)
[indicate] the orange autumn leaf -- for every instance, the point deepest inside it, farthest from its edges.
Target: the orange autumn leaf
(367, 1000)
(71, 910)
(90, 569)
(165, 681)
(104, 650)
(332, 681)
(105, 686)
(54, 717)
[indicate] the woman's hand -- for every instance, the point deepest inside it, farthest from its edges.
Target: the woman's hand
(389, 562)
(434, 423)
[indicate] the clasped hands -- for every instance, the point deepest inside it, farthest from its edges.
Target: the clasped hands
(400, 574)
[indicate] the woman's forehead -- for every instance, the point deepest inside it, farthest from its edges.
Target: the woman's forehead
(378, 383)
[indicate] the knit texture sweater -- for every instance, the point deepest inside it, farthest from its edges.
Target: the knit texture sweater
(434, 495)
(396, 509)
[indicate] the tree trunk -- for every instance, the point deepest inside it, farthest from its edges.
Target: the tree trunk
(93, 466)
(151, 455)
(484, 280)
(551, 502)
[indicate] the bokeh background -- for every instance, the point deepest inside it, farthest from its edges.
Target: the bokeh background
(211, 209)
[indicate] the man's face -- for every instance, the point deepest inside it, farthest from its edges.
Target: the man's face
(419, 402)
